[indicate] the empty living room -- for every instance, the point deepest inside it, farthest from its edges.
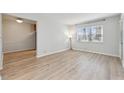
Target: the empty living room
(62, 46)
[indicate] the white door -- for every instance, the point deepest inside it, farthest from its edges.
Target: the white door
(1, 53)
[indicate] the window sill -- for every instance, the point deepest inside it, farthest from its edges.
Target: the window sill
(91, 41)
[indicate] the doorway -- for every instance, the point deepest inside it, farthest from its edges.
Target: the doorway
(19, 39)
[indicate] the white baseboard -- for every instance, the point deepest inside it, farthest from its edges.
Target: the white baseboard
(50, 53)
(96, 52)
(18, 50)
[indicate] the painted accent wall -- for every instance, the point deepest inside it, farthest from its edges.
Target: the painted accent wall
(17, 37)
(111, 38)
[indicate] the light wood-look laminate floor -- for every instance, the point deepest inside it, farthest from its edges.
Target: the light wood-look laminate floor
(17, 56)
(67, 65)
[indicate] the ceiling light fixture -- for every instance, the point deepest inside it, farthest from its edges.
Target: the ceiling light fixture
(19, 20)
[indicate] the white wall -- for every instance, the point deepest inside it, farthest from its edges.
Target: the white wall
(111, 38)
(17, 37)
(1, 59)
(51, 35)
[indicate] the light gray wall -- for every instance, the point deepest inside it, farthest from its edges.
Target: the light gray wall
(17, 37)
(51, 35)
(111, 38)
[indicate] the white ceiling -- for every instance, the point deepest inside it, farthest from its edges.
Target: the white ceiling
(69, 18)
(74, 18)
(13, 18)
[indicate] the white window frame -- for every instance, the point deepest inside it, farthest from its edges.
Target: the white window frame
(90, 32)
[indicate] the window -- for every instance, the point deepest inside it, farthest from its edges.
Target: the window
(90, 34)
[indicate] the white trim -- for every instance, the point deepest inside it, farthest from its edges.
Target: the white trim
(50, 53)
(96, 52)
(18, 50)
